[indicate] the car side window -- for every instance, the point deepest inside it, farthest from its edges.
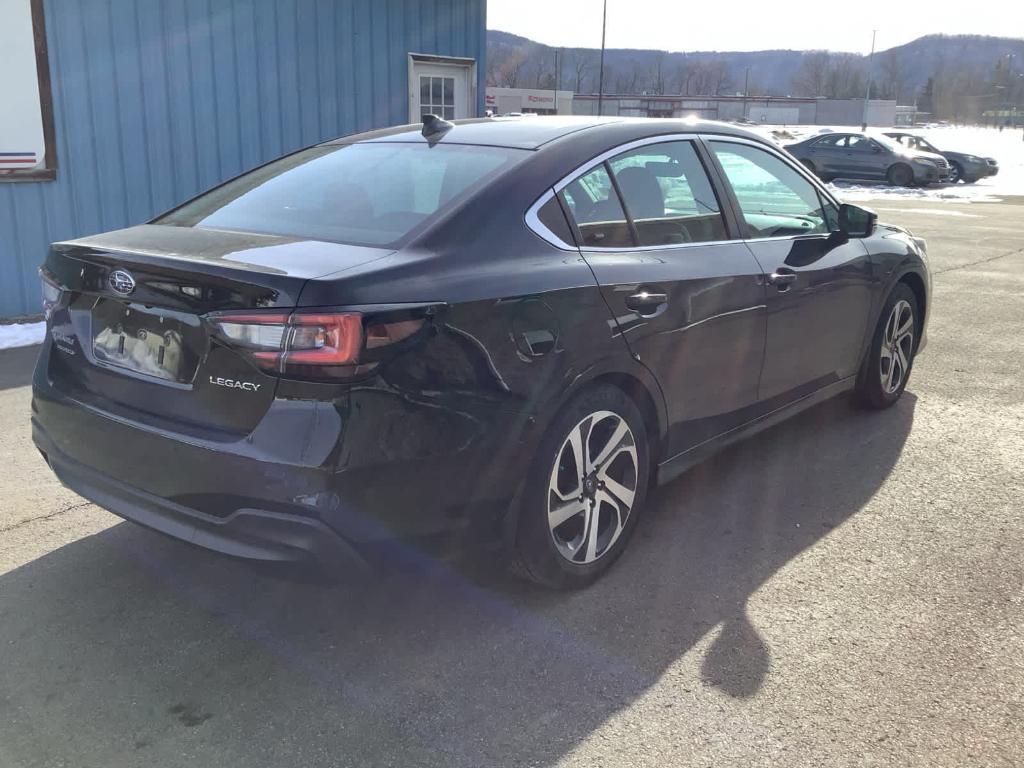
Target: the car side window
(594, 205)
(667, 194)
(551, 216)
(830, 141)
(775, 200)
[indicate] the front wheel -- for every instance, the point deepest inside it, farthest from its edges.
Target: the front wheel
(584, 492)
(900, 176)
(956, 172)
(884, 373)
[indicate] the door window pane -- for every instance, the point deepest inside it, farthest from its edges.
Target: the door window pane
(831, 141)
(437, 96)
(774, 198)
(594, 205)
(667, 194)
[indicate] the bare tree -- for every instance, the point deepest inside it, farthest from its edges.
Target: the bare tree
(846, 77)
(629, 79)
(510, 72)
(685, 73)
(658, 75)
(890, 76)
(582, 61)
(540, 68)
(721, 76)
(812, 77)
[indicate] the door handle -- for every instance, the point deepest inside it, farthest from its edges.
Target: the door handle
(782, 278)
(646, 303)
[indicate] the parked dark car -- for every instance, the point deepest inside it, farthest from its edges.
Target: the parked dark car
(859, 156)
(962, 166)
(504, 330)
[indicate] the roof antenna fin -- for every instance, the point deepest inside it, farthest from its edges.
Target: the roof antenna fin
(435, 127)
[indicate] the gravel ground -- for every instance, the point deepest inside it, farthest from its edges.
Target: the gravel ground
(842, 590)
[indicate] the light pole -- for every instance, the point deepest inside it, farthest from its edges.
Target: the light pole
(867, 94)
(600, 76)
(558, 79)
(746, 91)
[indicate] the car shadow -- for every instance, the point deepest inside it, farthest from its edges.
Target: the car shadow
(16, 366)
(125, 648)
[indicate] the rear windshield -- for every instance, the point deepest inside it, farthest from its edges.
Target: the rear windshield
(365, 194)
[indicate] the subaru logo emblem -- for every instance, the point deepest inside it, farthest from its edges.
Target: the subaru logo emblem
(121, 282)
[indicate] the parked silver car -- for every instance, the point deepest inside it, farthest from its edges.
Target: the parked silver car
(859, 156)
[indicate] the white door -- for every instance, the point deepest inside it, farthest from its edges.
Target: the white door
(440, 89)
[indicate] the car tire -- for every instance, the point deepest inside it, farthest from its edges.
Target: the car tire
(886, 368)
(900, 175)
(557, 543)
(809, 166)
(956, 172)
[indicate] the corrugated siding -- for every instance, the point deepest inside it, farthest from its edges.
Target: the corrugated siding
(156, 100)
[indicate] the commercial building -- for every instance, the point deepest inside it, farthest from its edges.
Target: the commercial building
(503, 101)
(775, 110)
(116, 110)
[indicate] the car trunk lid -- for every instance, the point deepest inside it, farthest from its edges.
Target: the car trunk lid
(130, 335)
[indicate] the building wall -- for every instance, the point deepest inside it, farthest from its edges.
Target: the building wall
(504, 100)
(774, 110)
(851, 112)
(157, 100)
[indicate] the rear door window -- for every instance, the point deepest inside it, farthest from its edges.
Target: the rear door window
(594, 205)
(667, 194)
(365, 194)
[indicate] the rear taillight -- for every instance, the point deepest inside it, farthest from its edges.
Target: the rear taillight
(51, 294)
(322, 345)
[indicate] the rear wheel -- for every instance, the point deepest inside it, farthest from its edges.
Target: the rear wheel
(584, 491)
(810, 166)
(886, 369)
(900, 176)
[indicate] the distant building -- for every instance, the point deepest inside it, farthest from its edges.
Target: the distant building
(502, 101)
(774, 110)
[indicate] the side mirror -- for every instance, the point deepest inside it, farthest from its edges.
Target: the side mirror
(855, 221)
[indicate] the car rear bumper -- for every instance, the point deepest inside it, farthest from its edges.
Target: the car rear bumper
(253, 534)
(311, 482)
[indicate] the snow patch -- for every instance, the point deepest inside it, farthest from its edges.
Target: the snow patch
(21, 334)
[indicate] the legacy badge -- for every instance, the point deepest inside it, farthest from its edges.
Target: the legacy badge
(248, 386)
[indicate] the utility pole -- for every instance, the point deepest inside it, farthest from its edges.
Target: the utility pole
(867, 94)
(600, 76)
(558, 80)
(746, 91)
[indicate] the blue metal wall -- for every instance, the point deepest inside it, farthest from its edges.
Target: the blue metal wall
(156, 100)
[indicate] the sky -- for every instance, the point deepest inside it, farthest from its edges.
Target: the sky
(751, 25)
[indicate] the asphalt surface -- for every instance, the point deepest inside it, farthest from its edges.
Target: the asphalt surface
(846, 589)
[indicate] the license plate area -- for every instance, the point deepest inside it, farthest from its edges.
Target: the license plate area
(153, 342)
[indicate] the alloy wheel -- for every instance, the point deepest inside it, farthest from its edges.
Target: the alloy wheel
(897, 347)
(592, 486)
(954, 173)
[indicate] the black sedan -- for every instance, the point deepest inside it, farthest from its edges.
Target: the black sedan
(505, 330)
(963, 166)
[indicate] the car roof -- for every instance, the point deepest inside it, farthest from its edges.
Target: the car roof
(533, 132)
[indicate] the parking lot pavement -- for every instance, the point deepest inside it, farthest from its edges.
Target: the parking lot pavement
(844, 589)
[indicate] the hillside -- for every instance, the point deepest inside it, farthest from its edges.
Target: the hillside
(961, 63)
